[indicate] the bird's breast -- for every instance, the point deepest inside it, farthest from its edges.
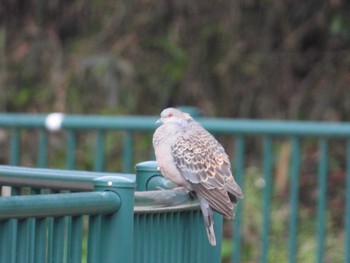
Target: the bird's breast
(167, 165)
(165, 159)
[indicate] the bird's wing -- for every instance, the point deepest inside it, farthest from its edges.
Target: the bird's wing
(203, 162)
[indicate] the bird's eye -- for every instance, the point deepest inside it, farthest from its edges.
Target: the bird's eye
(170, 115)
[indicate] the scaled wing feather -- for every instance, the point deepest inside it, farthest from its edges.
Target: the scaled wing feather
(203, 162)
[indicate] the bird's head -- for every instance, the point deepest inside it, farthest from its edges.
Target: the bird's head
(172, 115)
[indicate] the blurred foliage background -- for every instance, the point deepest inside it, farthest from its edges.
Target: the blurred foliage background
(249, 59)
(241, 59)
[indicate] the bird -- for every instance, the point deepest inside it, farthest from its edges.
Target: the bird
(190, 156)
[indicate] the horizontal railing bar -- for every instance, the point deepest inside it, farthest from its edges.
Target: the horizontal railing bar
(147, 123)
(161, 198)
(159, 183)
(83, 181)
(165, 200)
(277, 127)
(93, 122)
(58, 205)
(22, 120)
(49, 178)
(145, 209)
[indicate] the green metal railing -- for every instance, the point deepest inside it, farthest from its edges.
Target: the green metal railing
(270, 133)
(123, 226)
(49, 227)
(169, 226)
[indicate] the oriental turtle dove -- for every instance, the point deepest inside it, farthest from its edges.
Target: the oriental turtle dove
(192, 158)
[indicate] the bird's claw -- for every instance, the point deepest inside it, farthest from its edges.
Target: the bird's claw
(181, 188)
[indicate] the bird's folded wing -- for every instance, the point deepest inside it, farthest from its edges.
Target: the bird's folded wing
(203, 162)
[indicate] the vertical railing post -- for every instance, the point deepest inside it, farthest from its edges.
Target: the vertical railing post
(71, 148)
(116, 241)
(266, 198)
(15, 156)
(144, 172)
(294, 198)
(100, 151)
(215, 252)
(15, 147)
(322, 199)
(238, 174)
(42, 148)
(128, 152)
(40, 241)
(347, 205)
(149, 177)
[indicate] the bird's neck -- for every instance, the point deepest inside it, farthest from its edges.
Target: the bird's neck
(169, 131)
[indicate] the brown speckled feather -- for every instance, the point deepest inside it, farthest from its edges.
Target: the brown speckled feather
(192, 158)
(203, 162)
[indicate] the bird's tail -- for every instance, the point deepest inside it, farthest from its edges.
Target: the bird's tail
(208, 220)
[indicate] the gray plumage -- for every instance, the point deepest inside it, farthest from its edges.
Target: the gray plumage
(191, 157)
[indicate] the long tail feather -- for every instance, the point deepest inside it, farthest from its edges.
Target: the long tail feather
(208, 220)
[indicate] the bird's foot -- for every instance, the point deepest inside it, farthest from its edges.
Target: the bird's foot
(183, 189)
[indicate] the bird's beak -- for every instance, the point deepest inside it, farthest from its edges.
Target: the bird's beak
(159, 121)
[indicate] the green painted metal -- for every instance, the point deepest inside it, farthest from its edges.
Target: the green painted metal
(238, 173)
(105, 203)
(40, 240)
(99, 161)
(31, 238)
(82, 181)
(214, 253)
(54, 179)
(117, 228)
(163, 237)
(150, 178)
(94, 238)
(58, 241)
(68, 237)
(128, 152)
(266, 198)
(168, 223)
(294, 196)
(146, 123)
(144, 172)
(8, 241)
(15, 150)
(240, 129)
(42, 148)
(75, 251)
(322, 199)
(58, 205)
(150, 201)
(15, 147)
(71, 148)
(50, 238)
(347, 208)
(159, 183)
(23, 241)
(22, 120)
